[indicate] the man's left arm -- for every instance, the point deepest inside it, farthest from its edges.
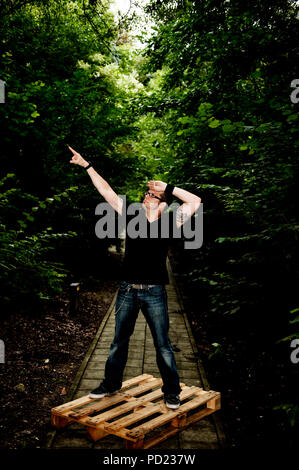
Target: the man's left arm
(190, 205)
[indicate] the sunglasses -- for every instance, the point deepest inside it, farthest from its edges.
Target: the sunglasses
(153, 195)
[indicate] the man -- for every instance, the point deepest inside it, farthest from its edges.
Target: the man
(144, 276)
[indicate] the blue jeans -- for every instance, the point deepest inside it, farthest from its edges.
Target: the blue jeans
(153, 303)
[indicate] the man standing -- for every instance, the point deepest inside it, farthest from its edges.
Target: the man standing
(144, 276)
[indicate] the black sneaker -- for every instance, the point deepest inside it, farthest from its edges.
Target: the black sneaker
(172, 401)
(101, 392)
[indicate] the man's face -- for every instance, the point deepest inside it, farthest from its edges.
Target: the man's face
(150, 198)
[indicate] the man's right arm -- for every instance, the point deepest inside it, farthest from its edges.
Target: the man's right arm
(102, 186)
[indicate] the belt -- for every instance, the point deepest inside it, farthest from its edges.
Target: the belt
(142, 286)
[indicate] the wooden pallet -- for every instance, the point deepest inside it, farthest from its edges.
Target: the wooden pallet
(137, 412)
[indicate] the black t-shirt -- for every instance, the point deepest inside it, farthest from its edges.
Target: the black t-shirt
(145, 258)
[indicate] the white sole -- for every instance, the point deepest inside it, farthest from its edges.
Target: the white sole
(92, 395)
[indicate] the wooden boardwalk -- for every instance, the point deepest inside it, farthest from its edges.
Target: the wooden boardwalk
(204, 434)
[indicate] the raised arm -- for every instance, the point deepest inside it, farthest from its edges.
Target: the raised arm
(190, 205)
(102, 186)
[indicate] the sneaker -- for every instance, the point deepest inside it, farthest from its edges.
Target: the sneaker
(172, 401)
(101, 392)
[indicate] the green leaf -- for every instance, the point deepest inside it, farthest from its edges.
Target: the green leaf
(215, 123)
(288, 338)
(295, 310)
(22, 223)
(228, 128)
(292, 117)
(184, 119)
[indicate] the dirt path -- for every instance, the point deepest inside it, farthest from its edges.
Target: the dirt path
(43, 351)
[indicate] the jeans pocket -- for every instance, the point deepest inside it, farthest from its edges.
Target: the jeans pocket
(123, 287)
(120, 299)
(157, 290)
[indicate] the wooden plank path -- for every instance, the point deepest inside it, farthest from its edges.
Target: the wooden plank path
(204, 434)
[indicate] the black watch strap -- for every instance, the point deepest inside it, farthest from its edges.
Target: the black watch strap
(168, 190)
(88, 166)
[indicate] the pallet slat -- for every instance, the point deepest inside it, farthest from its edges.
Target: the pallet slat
(130, 405)
(99, 404)
(84, 400)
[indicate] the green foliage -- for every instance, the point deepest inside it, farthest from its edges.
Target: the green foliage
(27, 273)
(231, 131)
(217, 352)
(66, 84)
(293, 326)
(292, 412)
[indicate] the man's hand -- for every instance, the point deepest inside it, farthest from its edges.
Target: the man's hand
(77, 159)
(102, 186)
(157, 185)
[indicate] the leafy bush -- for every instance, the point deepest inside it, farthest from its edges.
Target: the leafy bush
(26, 272)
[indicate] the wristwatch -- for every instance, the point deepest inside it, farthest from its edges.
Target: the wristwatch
(169, 189)
(88, 166)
